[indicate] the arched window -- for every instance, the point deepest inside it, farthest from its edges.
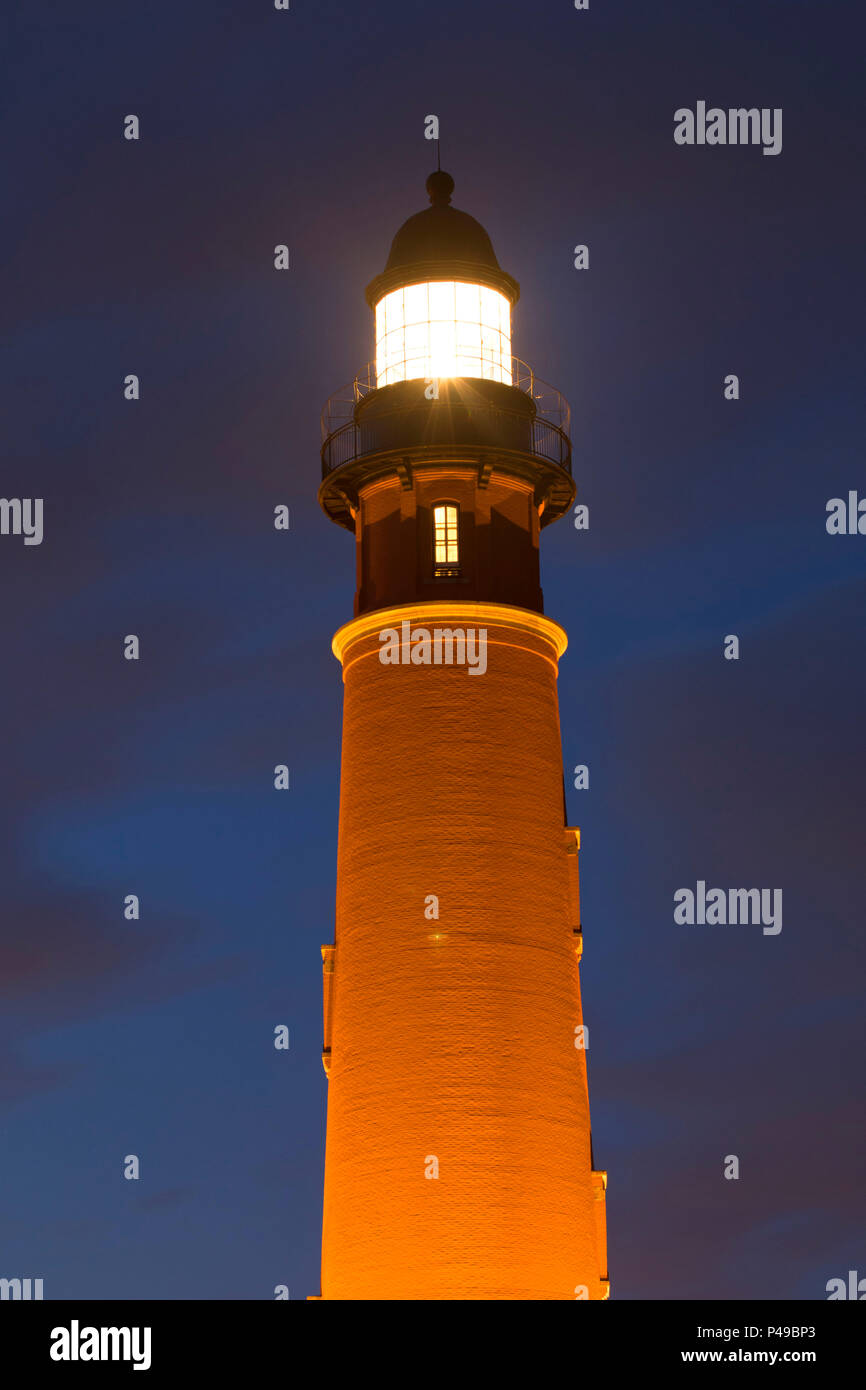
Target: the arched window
(446, 541)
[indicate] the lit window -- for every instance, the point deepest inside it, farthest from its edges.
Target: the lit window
(446, 548)
(443, 329)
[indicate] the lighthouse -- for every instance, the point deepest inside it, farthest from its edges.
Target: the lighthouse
(459, 1160)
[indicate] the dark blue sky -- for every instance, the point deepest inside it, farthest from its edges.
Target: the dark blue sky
(707, 518)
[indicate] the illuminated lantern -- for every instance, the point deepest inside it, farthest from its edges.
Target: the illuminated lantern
(428, 325)
(443, 328)
(458, 1157)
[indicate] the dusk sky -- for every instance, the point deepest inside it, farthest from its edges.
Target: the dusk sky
(707, 518)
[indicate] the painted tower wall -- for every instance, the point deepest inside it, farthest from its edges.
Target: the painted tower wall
(451, 1042)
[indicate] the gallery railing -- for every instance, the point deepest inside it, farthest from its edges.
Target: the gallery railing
(543, 426)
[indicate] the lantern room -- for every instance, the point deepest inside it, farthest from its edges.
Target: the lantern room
(443, 304)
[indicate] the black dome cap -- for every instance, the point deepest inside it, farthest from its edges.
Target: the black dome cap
(441, 243)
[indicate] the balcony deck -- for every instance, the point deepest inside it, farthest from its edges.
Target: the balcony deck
(521, 426)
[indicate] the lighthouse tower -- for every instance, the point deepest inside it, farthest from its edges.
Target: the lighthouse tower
(458, 1160)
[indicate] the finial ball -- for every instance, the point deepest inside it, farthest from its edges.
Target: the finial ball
(440, 186)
